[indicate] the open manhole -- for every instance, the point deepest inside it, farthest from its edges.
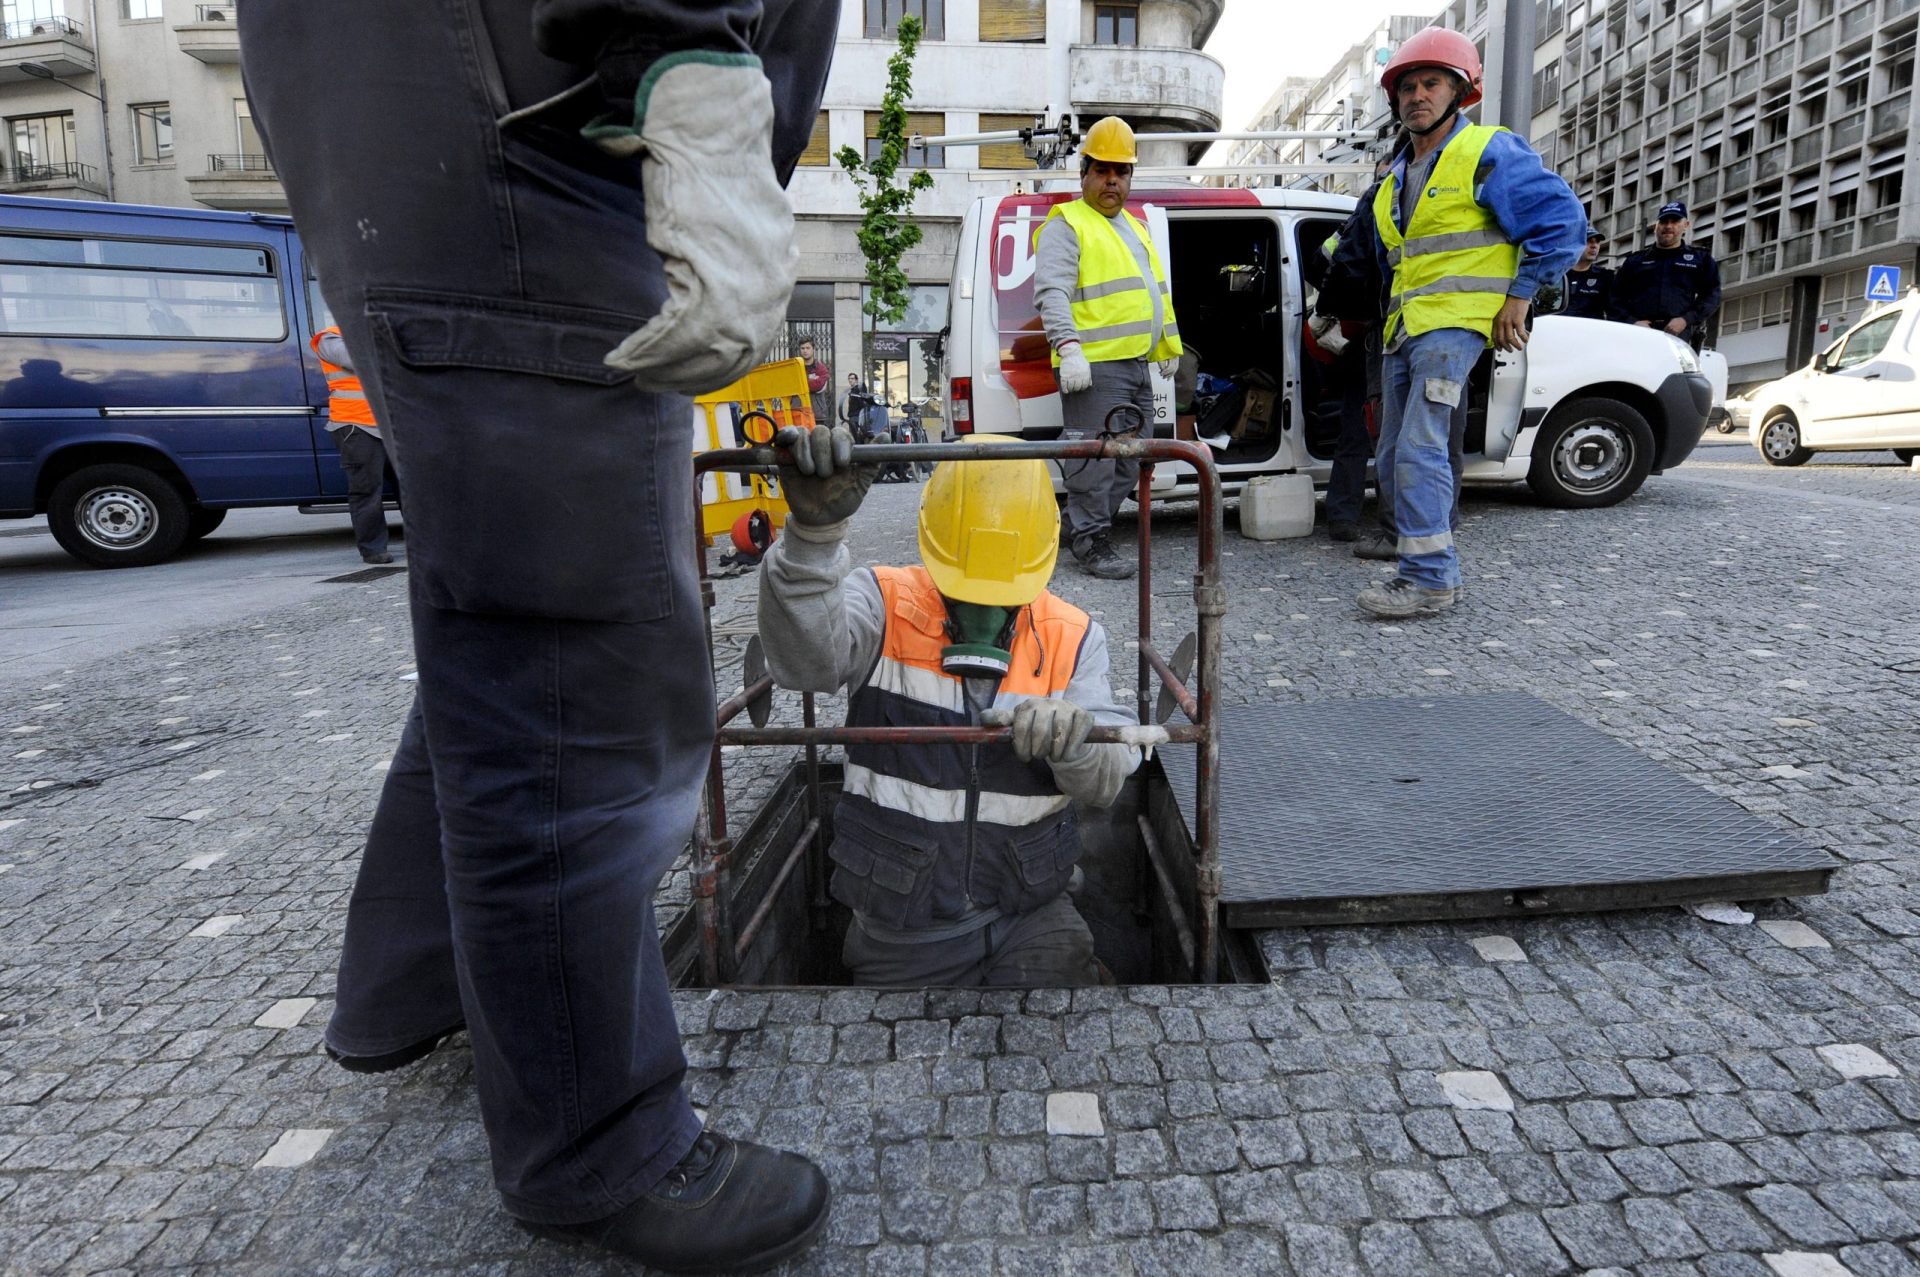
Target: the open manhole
(1136, 891)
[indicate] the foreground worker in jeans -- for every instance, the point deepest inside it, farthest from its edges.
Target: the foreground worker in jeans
(1471, 225)
(955, 859)
(541, 224)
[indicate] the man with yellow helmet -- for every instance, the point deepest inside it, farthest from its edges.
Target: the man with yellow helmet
(1104, 301)
(955, 859)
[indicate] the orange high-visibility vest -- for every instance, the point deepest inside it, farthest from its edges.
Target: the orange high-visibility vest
(346, 397)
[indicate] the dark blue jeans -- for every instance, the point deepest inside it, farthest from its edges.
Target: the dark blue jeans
(549, 772)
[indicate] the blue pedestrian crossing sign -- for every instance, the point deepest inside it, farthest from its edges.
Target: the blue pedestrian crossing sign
(1883, 283)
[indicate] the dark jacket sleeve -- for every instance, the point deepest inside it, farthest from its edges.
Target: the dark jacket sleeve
(1353, 287)
(1709, 300)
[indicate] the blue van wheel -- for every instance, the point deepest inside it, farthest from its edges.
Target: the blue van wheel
(117, 516)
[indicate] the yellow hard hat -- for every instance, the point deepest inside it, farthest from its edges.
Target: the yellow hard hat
(1111, 139)
(990, 530)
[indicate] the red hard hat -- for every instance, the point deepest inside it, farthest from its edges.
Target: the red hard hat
(1436, 47)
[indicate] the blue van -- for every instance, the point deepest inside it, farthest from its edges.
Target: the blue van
(156, 372)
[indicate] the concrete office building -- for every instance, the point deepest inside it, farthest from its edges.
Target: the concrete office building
(174, 127)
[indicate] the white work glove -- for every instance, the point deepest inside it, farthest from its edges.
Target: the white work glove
(1047, 728)
(1168, 367)
(717, 217)
(1076, 374)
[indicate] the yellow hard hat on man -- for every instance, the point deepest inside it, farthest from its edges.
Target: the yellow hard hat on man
(990, 530)
(1111, 139)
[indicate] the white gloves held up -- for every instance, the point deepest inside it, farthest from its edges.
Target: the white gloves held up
(717, 216)
(1044, 727)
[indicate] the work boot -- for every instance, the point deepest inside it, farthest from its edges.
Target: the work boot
(381, 557)
(392, 1059)
(1402, 598)
(1098, 559)
(727, 1207)
(1344, 531)
(1377, 545)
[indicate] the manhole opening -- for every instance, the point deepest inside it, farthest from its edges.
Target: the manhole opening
(1138, 902)
(364, 575)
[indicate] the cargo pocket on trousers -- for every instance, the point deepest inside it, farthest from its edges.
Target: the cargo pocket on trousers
(1043, 860)
(537, 480)
(882, 878)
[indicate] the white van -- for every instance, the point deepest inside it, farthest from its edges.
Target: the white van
(1861, 394)
(1584, 414)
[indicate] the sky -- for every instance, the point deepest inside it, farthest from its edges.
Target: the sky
(1261, 42)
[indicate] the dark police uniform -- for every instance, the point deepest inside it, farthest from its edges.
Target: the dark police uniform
(1589, 293)
(1659, 284)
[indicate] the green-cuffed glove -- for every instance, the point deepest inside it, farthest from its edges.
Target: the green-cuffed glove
(822, 486)
(1045, 727)
(703, 126)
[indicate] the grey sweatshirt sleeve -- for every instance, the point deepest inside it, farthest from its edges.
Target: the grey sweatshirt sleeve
(1094, 773)
(820, 626)
(1056, 272)
(333, 349)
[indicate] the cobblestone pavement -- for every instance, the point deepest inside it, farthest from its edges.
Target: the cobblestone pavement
(1643, 1091)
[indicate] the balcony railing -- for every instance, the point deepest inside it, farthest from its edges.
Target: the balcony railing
(1856, 22)
(1837, 240)
(1760, 260)
(1732, 270)
(1739, 176)
(1771, 163)
(1880, 227)
(1815, 43)
(213, 13)
(1706, 188)
(32, 27)
(1891, 116)
(1779, 62)
(239, 164)
(1897, 7)
(71, 171)
(1806, 149)
(1848, 132)
(1797, 251)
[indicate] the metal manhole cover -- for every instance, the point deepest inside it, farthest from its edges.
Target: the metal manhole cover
(1467, 806)
(364, 575)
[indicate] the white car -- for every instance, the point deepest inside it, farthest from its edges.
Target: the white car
(1861, 394)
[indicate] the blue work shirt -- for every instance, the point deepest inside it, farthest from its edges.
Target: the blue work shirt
(1535, 207)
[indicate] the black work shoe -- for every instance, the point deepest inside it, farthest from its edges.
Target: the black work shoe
(1377, 545)
(1344, 531)
(727, 1207)
(1098, 559)
(392, 1059)
(382, 557)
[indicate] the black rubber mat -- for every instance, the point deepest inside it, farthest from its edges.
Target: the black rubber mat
(1467, 806)
(364, 575)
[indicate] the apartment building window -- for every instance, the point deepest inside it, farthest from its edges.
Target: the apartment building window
(152, 132)
(1116, 24)
(1014, 21)
(819, 152)
(141, 10)
(1546, 86)
(42, 145)
(930, 123)
(244, 132)
(884, 15)
(1006, 154)
(23, 13)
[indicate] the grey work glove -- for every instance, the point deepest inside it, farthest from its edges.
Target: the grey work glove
(1076, 374)
(822, 486)
(1044, 727)
(716, 215)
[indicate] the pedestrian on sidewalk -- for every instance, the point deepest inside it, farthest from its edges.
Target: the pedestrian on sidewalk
(1471, 226)
(357, 435)
(1107, 308)
(955, 860)
(542, 225)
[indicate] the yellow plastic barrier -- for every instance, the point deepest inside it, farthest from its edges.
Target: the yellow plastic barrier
(780, 391)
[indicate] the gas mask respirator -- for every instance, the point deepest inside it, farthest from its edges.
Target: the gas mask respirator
(982, 640)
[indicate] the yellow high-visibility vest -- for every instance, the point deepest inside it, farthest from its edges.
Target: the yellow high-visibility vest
(1452, 266)
(1112, 309)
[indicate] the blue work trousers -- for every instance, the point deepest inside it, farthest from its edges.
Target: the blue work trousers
(1425, 381)
(480, 268)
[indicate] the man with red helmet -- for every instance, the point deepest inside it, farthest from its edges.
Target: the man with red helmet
(1470, 226)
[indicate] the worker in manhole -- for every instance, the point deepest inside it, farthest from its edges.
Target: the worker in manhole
(956, 860)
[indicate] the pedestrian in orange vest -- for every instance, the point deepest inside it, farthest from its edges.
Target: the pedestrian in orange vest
(362, 455)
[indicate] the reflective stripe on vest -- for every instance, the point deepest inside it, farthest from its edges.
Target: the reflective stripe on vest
(1453, 264)
(346, 397)
(918, 795)
(1112, 309)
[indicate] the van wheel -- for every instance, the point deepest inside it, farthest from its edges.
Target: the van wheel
(1593, 452)
(117, 516)
(1780, 441)
(201, 521)
(1905, 456)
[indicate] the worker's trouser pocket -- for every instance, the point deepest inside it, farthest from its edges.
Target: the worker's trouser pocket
(1032, 863)
(537, 481)
(880, 874)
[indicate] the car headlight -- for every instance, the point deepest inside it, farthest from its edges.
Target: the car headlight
(1689, 362)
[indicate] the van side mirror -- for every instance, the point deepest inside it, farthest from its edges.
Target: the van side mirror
(1820, 362)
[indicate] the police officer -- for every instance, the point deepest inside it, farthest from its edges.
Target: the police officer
(1673, 285)
(1589, 285)
(954, 859)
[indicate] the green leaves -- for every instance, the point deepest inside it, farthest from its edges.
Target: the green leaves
(885, 233)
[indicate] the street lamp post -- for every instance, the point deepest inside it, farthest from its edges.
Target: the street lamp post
(41, 71)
